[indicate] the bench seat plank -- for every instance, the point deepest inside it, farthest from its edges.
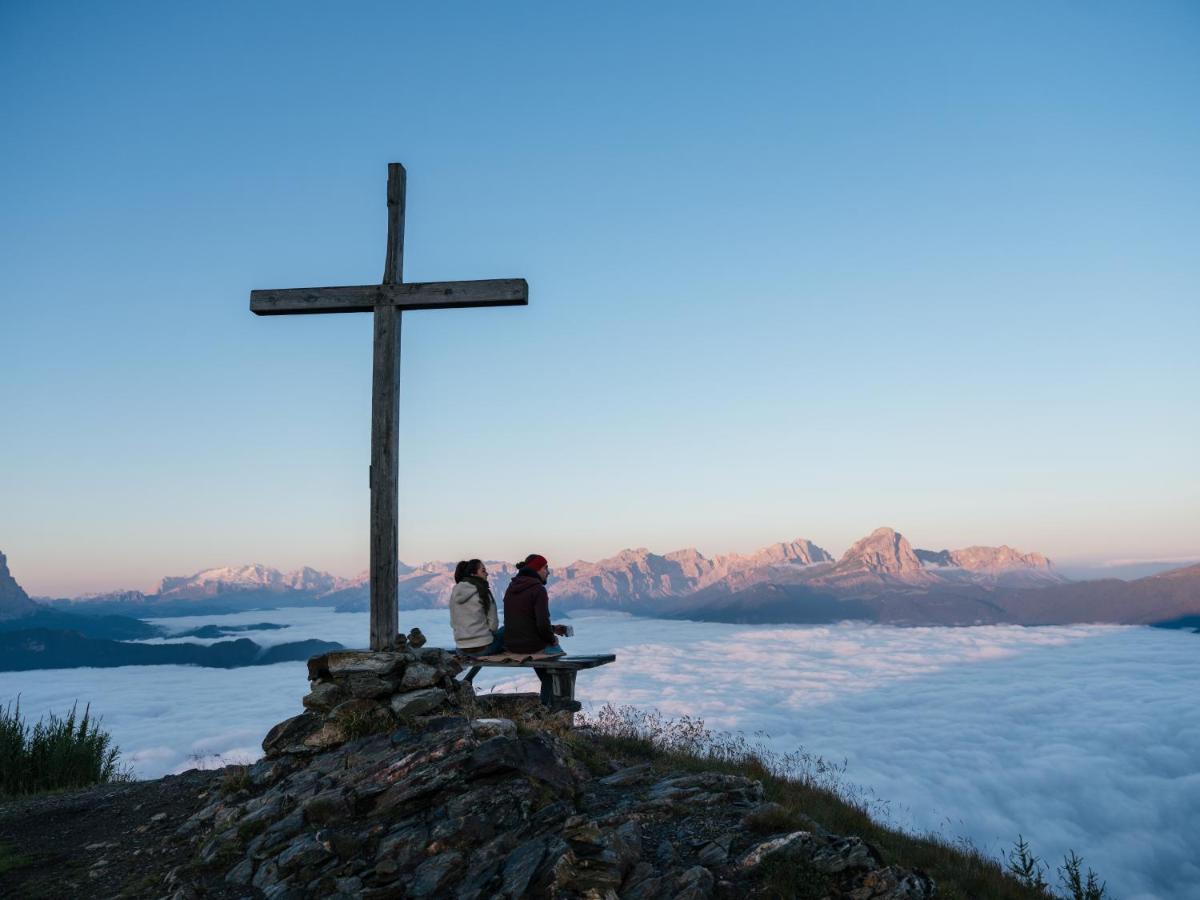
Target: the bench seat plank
(549, 662)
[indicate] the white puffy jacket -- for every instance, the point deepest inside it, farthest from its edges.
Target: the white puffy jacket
(472, 627)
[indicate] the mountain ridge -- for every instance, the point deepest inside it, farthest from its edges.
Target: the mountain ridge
(633, 579)
(880, 578)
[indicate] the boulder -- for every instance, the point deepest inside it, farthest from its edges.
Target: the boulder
(532, 756)
(894, 883)
(417, 703)
(326, 807)
(365, 685)
(330, 734)
(694, 884)
(348, 662)
(490, 728)
(436, 874)
(829, 856)
(419, 675)
(288, 736)
(324, 696)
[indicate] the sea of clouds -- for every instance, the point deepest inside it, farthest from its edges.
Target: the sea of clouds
(1082, 737)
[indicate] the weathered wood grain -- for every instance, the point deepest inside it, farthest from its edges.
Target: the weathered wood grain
(557, 662)
(385, 431)
(388, 301)
(411, 296)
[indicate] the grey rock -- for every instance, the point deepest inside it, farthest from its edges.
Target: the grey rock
(327, 806)
(842, 853)
(627, 776)
(288, 736)
(641, 872)
(349, 662)
(283, 830)
(893, 883)
(434, 876)
(521, 866)
(665, 854)
(489, 728)
(417, 703)
(267, 875)
(341, 841)
(695, 884)
(785, 844)
(368, 685)
(533, 756)
(712, 855)
(705, 789)
(328, 735)
(324, 697)
(386, 869)
(241, 873)
(357, 707)
(419, 675)
(283, 891)
(304, 851)
(649, 887)
(405, 844)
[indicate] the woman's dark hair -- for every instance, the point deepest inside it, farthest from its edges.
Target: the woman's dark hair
(466, 568)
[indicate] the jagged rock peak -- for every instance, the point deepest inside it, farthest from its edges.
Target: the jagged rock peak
(798, 552)
(13, 599)
(255, 576)
(1002, 557)
(883, 552)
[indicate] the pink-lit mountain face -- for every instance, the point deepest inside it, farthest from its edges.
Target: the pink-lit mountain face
(884, 560)
(640, 580)
(880, 578)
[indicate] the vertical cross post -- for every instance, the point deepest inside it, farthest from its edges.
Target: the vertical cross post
(387, 302)
(385, 430)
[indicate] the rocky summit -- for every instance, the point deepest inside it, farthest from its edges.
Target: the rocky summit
(14, 601)
(396, 782)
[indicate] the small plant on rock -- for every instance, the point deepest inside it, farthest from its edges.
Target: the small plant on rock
(237, 779)
(361, 724)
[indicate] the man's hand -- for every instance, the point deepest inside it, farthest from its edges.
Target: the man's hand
(559, 629)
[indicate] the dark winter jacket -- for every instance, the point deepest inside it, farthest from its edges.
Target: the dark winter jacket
(527, 614)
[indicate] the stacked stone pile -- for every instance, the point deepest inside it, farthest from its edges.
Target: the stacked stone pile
(358, 692)
(452, 807)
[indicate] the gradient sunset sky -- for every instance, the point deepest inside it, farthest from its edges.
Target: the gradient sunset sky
(796, 269)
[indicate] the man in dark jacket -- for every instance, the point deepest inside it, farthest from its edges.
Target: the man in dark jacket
(527, 627)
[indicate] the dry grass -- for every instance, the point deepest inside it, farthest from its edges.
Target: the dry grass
(807, 787)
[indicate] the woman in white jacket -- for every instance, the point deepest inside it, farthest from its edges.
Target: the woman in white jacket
(473, 613)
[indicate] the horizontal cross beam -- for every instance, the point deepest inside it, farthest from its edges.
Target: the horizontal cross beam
(405, 296)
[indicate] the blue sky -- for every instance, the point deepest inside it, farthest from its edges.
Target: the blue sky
(795, 270)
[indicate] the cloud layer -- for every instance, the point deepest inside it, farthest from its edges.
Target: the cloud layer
(1077, 737)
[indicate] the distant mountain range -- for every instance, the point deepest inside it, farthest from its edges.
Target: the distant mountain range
(36, 636)
(881, 578)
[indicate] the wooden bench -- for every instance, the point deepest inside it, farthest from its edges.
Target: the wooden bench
(562, 671)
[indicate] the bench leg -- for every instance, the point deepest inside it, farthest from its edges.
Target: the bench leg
(562, 689)
(469, 678)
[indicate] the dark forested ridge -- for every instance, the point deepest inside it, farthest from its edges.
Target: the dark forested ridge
(44, 648)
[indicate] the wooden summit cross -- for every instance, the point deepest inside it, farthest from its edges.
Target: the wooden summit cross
(387, 301)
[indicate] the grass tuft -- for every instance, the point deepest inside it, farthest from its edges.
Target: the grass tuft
(56, 753)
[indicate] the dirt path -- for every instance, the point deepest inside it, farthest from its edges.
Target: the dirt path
(108, 841)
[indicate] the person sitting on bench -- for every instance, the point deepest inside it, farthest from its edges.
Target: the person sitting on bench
(527, 627)
(473, 617)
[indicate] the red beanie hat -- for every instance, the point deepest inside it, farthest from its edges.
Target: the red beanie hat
(535, 562)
